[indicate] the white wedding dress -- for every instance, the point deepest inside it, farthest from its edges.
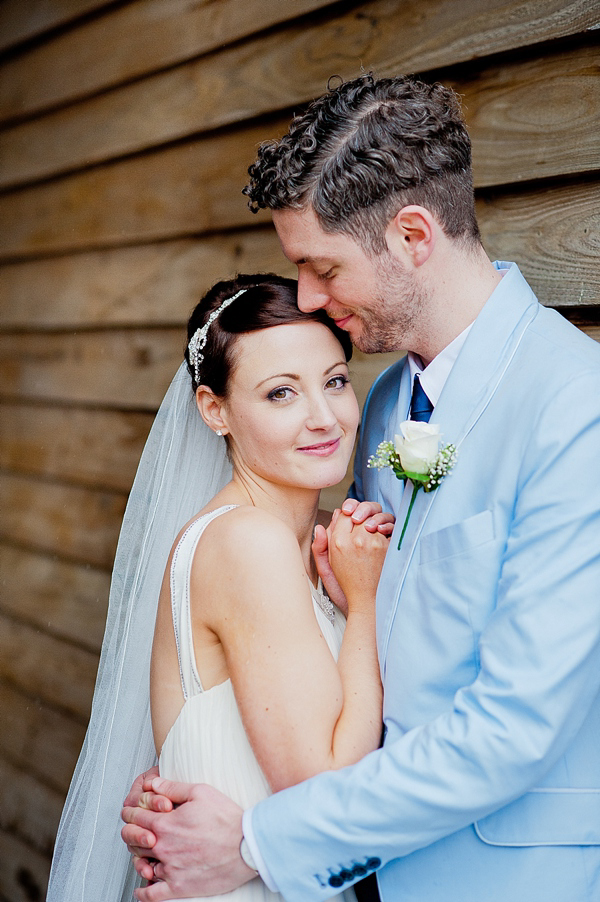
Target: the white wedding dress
(207, 743)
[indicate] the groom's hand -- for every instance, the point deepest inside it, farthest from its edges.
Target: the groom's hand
(197, 845)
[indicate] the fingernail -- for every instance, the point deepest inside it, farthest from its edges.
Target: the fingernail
(347, 507)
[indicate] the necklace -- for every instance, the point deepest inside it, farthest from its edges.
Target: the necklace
(323, 600)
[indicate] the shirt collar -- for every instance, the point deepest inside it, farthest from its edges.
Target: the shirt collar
(433, 377)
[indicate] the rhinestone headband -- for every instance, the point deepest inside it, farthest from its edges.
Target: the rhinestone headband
(198, 339)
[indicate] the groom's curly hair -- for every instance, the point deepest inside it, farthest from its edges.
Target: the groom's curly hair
(364, 150)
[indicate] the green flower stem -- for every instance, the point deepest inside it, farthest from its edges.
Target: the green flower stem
(416, 487)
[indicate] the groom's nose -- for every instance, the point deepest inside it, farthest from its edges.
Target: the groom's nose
(312, 293)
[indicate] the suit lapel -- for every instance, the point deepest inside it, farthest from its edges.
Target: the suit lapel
(470, 388)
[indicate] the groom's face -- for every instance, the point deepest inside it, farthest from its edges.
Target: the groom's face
(376, 299)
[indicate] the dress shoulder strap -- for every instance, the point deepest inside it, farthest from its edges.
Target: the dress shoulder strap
(181, 568)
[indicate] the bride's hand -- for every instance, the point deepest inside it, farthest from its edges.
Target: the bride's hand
(370, 514)
(356, 556)
(374, 519)
(320, 552)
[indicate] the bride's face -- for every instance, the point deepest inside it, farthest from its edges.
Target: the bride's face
(291, 412)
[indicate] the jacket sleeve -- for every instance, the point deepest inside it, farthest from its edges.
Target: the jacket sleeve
(538, 677)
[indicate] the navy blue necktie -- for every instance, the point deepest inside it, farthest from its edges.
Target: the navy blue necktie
(421, 407)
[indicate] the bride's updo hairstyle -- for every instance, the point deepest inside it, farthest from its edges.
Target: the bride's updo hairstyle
(267, 300)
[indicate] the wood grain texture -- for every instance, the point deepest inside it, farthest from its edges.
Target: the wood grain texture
(34, 734)
(64, 599)
(129, 369)
(74, 523)
(98, 448)
(592, 330)
(254, 78)
(59, 673)
(183, 190)
(566, 221)
(21, 21)
(554, 235)
(143, 37)
(24, 870)
(28, 808)
(535, 119)
(158, 283)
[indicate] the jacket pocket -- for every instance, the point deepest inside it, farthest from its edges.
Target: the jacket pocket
(458, 538)
(545, 817)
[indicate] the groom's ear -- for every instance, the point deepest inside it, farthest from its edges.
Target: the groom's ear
(211, 409)
(411, 235)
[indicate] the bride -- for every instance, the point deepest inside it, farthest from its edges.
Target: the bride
(257, 681)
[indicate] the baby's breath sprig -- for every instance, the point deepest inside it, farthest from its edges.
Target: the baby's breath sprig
(417, 445)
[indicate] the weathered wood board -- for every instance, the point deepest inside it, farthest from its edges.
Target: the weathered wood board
(77, 524)
(22, 21)
(48, 740)
(143, 37)
(66, 600)
(528, 119)
(57, 672)
(24, 870)
(155, 283)
(79, 445)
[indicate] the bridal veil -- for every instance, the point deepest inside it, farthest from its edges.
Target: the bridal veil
(182, 467)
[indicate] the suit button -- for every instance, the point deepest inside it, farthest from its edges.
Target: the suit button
(335, 881)
(345, 874)
(359, 870)
(373, 863)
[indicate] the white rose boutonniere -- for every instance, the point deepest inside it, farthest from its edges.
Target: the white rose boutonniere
(417, 454)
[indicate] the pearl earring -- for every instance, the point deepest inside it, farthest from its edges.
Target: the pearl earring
(219, 432)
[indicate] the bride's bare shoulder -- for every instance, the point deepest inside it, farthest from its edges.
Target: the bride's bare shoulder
(240, 552)
(248, 531)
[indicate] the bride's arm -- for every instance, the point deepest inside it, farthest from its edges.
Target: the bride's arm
(302, 713)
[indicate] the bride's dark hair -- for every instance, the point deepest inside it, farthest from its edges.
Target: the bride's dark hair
(268, 300)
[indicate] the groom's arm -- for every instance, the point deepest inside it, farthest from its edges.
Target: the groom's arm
(539, 674)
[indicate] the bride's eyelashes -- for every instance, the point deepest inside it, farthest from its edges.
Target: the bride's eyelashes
(286, 392)
(338, 382)
(282, 393)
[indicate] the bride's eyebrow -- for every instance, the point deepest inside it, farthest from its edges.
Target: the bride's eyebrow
(279, 376)
(296, 377)
(335, 366)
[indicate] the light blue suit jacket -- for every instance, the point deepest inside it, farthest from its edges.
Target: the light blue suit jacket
(487, 788)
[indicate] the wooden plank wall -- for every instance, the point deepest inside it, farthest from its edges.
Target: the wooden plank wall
(125, 132)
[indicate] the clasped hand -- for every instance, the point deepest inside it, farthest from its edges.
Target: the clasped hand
(368, 515)
(184, 838)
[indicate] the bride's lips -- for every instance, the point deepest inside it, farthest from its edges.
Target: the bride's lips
(322, 449)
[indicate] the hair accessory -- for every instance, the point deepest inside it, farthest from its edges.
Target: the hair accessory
(198, 339)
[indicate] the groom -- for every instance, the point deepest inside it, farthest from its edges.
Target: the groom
(487, 787)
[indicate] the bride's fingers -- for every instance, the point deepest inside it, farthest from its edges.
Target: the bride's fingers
(148, 777)
(361, 512)
(152, 801)
(155, 892)
(340, 525)
(319, 543)
(381, 522)
(143, 867)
